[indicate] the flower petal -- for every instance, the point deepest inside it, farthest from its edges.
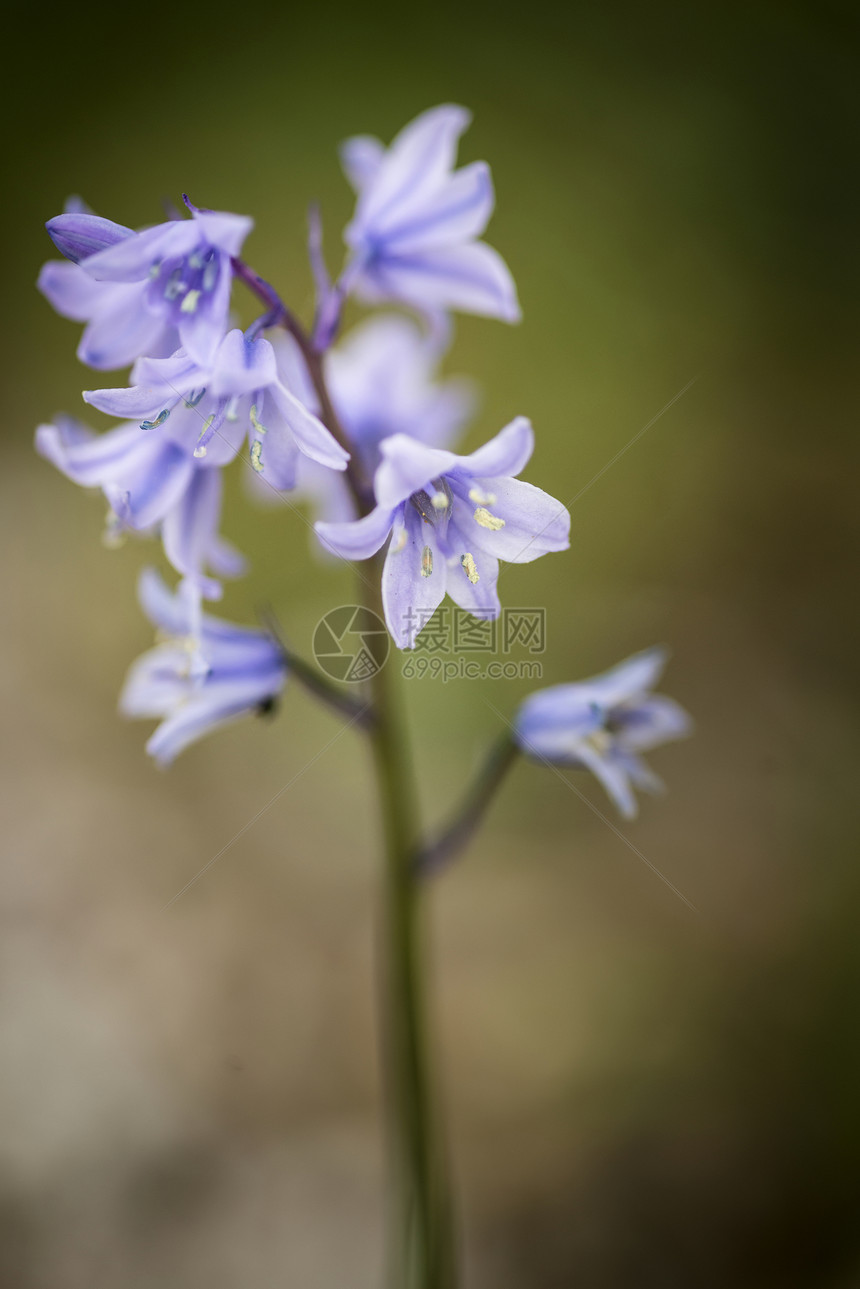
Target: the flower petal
(456, 212)
(78, 234)
(360, 538)
(651, 721)
(407, 467)
(242, 366)
(360, 158)
(420, 156)
(131, 259)
(472, 278)
(506, 454)
(534, 522)
(414, 578)
(312, 437)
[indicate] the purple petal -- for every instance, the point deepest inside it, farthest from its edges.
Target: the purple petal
(242, 366)
(506, 454)
(359, 539)
(224, 230)
(131, 260)
(78, 235)
(472, 277)
(480, 598)
(311, 436)
(457, 212)
(421, 155)
(202, 331)
(360, 158)
(534, 522)
(413, 578)
(407, 467)
(190, 526)
(631, 679)
(652, 721)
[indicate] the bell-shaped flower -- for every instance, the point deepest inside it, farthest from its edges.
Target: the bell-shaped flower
(451, 519)
(382, 381)
(209, 411)
(414, 233)
(152, 486)
(138, 291)
(603, 724)
(243, 670)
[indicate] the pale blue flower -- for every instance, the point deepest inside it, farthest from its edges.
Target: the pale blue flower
(152, 485)
(201, 676)
(139, 291)
(603, 724)
(451, 519)
(382, 380)
(209, 411)
(414, 233)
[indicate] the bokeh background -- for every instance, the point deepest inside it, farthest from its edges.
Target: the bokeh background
(638, 1094)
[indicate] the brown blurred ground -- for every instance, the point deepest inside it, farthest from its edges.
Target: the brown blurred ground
(638, 1095)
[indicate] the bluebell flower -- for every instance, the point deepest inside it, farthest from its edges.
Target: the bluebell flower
(414, 233)
(139, 291)
(243, 671)
(381, 378)
(451, 519)
(152, 486)
(603, 724)
(208, 411)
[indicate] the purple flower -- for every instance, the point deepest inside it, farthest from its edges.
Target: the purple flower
(603, 724)
(208, 411)
(151, 484)
(413, 236)
(381, 380)
(452, 518)
(139, 291)
(243, 672)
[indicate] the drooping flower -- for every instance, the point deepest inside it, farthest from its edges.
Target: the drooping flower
(242, 671)
(208, 411)
(414, 233)
(451, 519)
(381, 378)
(603, 724)
(138, 291)
(151, 485)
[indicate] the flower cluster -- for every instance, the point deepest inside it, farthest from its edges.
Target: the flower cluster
(362, 428)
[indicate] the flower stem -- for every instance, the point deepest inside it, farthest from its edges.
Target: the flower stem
(471, 810)
(421, 1246)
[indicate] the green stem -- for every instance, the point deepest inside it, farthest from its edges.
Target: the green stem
(471, 810)
(421, 1252)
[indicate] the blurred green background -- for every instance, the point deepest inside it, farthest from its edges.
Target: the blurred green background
(638, 1095)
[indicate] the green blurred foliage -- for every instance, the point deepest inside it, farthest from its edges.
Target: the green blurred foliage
(639, 1095)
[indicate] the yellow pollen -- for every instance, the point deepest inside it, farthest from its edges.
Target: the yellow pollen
(261, 429)
(426, 562)
(256, 454)
(189, 304)
(399, 542)
(470, 567)
(439, 501)
(482, 498)
(486, 520)
(600, 740)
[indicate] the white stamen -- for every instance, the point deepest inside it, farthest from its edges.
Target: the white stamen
(426, 562)
(486, 520)
(469, 567)
(189, 304)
